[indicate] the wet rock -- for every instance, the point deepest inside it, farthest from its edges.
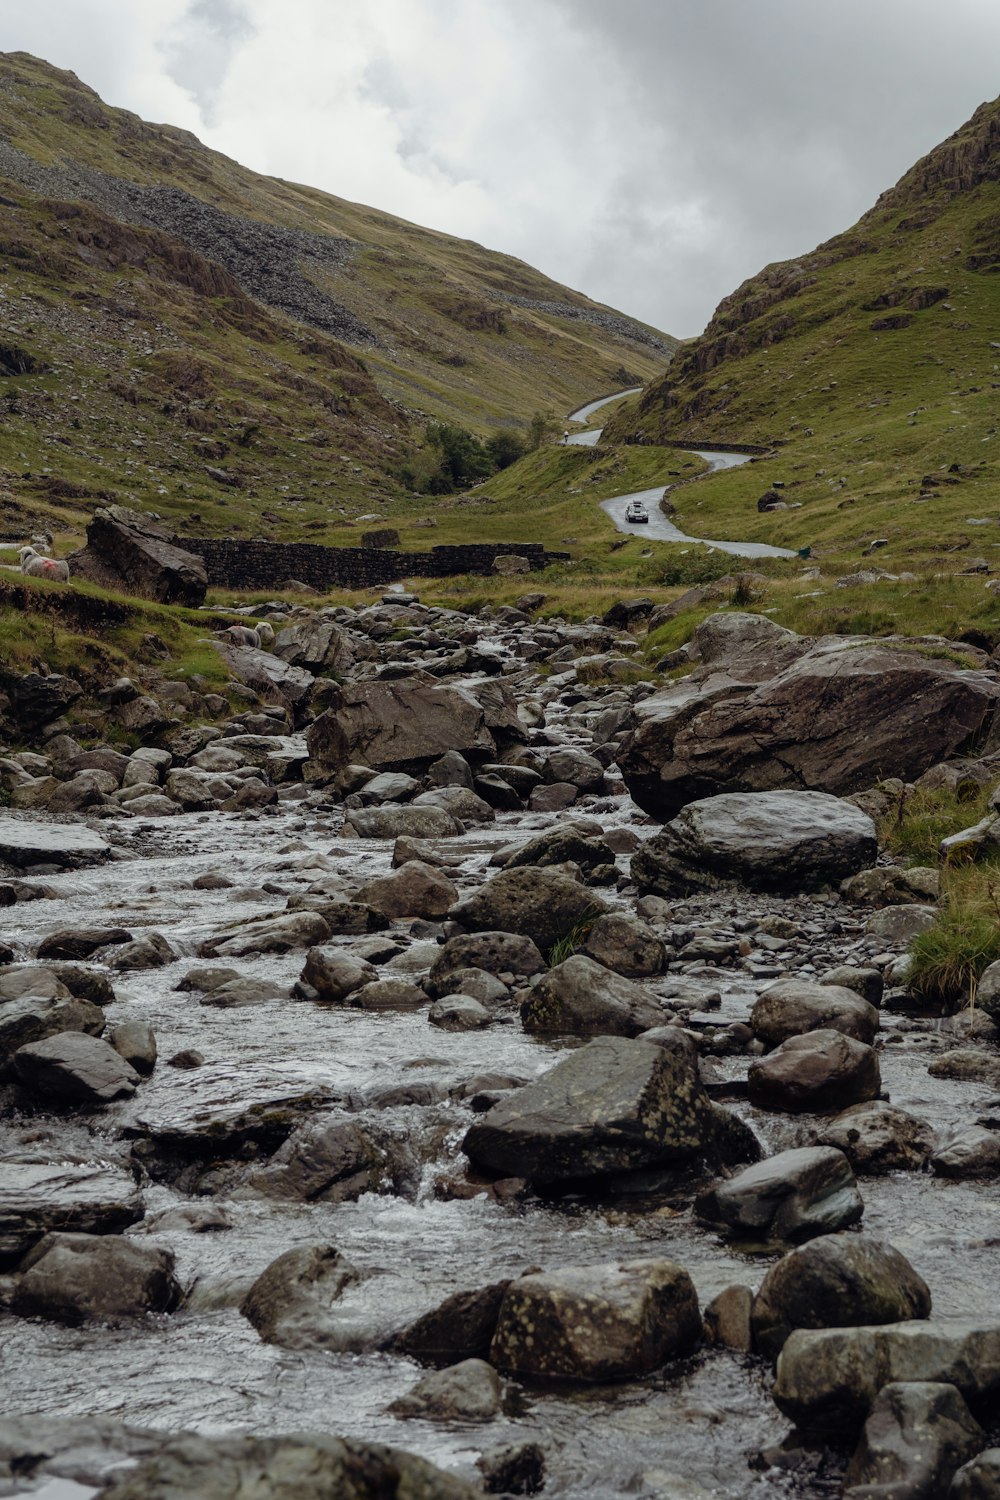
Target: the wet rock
(836, 1281)
(597, 1323)
(461, 1327)
(612, 1106)
(828, 1379)
(893, 886)
(542, 904)
(22, 981)
(465, 806)
(459, 1013)
(915, 1439)
(335, 975)
(970, 1064)
(868, 983)
(484, 987)
(727, 1319)
(32, 1020)
(80, 942)
(496, 952)
(626, 945)
(787, 715)
(333, 1161)
(305, 1467)
(559, 846)
(792, 1196)
(412, 890)
(979, 1479)
(388, 995)
(149, 952)
(401, 822)
(769, 841)
(878, 1138)
(468, 1392)
(294, 1301)
(554, 798)
(135, 1042)
(972, 1152)
(988, 992)
(795, 1006)
(900, 924)
(574, 767)
(76, 1278)
(342, 918)
(517, 1469)
(236, 993)
(71, 846)
(275, 934)
(450, 769)
(214, 1112)
(73, 1068)
(822, 1070)
(40, 1192)
(582, 998)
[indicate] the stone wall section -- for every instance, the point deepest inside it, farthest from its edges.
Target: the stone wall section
(260, 564)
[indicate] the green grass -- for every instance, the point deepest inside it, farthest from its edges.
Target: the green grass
(914, 829)
(948, 960)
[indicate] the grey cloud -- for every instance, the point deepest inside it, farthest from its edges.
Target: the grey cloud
(201, 46)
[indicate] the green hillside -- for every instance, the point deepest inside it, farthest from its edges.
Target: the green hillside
(871, 367)
(166, 312)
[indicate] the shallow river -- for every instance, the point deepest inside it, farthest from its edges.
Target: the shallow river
(206, 1368)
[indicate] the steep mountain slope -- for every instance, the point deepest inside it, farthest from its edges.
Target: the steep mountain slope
(165, 312)
(874, 360)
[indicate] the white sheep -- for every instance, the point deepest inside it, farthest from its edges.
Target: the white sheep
(243, 635)
(37, 566)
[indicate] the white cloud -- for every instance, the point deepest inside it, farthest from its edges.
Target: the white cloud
(652, 152)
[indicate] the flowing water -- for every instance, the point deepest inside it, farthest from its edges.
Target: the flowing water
(205, 1367)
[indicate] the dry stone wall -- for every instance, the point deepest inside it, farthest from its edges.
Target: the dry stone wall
(260, 564)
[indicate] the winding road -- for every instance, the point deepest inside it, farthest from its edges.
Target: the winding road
(659, 528)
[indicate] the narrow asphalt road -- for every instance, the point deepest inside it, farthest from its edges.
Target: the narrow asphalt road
(658, 527)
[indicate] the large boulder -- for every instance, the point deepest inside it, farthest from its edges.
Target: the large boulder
(273, 680)
(612, 1106)
(73, 1068)
(41, 1191)
(68, 845)
(794, 1006)
(401, 724)
(918, 1435)
(309, 1466)
(820, 1070)
(75, 1278)
(836, 1281)
(771, 841)
(597, 1323)
(545, 905)
(128, 552)
(786, 713)
(878, 1138)
(829, 1378)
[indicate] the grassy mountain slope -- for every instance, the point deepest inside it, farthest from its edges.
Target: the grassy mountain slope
(165, 311)
(873, 364)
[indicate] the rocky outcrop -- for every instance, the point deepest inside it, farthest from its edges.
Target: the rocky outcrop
(784, 715)
(129, 552)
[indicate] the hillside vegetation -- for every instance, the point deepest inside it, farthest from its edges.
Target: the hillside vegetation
(243, 354)
(871, 364)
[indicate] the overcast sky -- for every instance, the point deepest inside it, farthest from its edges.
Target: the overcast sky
(652, 153)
